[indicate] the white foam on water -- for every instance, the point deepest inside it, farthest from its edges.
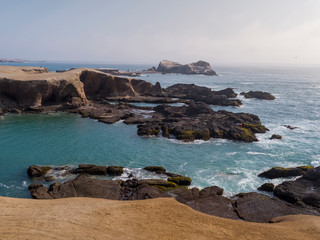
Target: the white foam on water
(231, 153)
(262, 153)
(24, 184)
(9, 187)
(139, 173)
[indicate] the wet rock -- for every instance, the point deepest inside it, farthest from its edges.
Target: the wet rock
(38, 172)
(91, 169)
(181, 181)
(256, 207)
(156, 169)
(258, 95)
(159, 183)
(199, 121)
(266, 187)
(290, 127)
(275, 136)
(200, 67)
(305, 189)
(281, 172)
(115, 170)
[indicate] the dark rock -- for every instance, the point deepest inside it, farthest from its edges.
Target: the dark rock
(206, 201)
(200, 67)
(258, 94)
(159, 183)
(266, 187)
(209, 191)
(301, 190)
(38, 172)
(290, 127)
(305, 189)
(280, 172)
(198, 121)
(181, 181)
(275, 136)
(203, 94)
(312, 174)
(115, 170)
(146, 191)
(156, 169)
(255, 207)
(91, 169)
(34, 186)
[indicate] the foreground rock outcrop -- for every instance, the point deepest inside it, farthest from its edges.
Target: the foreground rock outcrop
(200, 67)
(254, 207)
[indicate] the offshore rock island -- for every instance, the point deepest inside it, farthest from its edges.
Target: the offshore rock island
(93, 93)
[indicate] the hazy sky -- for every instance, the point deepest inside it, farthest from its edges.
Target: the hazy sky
(147, 31)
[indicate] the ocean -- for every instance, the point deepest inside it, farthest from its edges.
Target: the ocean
(59, 139)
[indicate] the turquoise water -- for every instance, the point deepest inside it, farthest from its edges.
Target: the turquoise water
(67, 139)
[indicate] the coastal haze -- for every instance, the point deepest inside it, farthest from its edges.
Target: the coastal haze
(221, 32)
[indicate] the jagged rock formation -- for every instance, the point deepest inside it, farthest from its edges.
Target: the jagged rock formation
(200, 67)
(88, 91)
(254, 207)
(203, 94)
(258, 95)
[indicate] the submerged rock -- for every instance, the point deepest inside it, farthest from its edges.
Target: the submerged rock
(258, 95)
(275, 136)
(200, 67)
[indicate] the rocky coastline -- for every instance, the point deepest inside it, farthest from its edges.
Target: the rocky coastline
(92, 94)
(300, 196)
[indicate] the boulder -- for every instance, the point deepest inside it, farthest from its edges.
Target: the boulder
(266, 187)
(256, 207)
(38, 172)
(258, 95)
(275, 136)
(91, 169)
(206, 201)
(81, 186)
(281, 172)
(303, 190)
(156, 169)
(115, 170)
(200, 67)
(181, 181)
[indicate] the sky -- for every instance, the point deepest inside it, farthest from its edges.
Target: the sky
(147, 31)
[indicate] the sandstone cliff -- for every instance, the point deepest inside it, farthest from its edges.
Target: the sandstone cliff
(34, 86)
